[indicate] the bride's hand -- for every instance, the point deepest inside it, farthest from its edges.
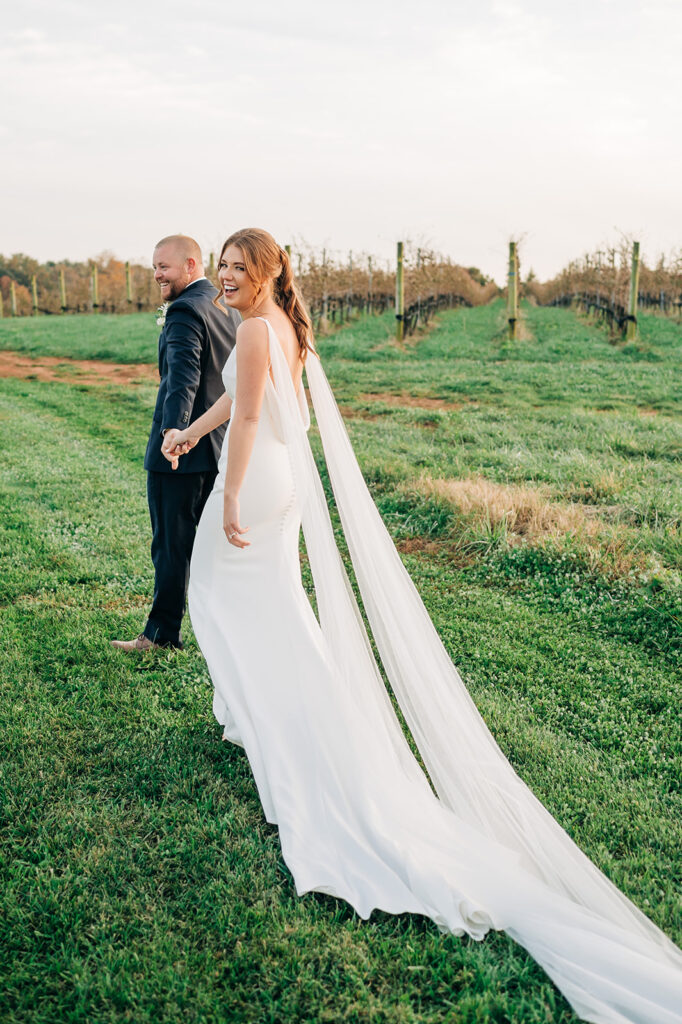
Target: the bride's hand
(177, 443)
(233, 531)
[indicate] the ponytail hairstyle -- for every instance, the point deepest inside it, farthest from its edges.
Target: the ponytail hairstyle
(265, 260)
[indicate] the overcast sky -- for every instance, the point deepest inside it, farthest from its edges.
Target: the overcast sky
(455, 124)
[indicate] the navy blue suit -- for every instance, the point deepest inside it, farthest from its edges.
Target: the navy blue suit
(194, 345)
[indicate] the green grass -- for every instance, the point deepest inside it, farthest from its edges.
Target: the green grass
(117, 339)
(567, 410)
(139, 880)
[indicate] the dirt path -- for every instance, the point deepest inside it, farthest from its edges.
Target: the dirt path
(404, 399)
(75, 371)
(95, 371)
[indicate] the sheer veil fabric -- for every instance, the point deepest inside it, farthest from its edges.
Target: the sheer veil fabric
(484, 852)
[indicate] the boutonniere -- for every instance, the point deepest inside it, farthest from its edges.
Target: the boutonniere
(161, 311)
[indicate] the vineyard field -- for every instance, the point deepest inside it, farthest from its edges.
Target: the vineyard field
(533, 490)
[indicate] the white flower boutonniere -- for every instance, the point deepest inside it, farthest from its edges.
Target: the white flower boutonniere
(161, 318)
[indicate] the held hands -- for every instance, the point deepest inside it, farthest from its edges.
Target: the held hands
(177, 443)
(233, 530)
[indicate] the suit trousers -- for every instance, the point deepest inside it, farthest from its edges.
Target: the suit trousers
(176, 501)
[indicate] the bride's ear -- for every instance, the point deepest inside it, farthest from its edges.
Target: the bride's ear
(261, 287)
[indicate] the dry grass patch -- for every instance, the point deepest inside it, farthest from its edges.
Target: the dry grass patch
(518, 514)
(527, 512)
(419, 545)
(607, 484)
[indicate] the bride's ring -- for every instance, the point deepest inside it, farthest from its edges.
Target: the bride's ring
(231, 535)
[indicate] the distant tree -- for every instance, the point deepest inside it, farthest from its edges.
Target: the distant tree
(478, 276)
(19, 267)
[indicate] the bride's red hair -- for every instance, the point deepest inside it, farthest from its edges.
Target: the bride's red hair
(265, 260)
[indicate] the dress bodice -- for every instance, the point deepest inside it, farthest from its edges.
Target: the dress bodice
(271, 401)
(229, 375)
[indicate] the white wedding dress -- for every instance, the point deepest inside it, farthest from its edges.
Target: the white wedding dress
(356, 814)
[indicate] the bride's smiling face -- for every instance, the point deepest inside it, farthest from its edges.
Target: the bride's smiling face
(239, 290)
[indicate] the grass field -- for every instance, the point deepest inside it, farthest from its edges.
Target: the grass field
(534, 491)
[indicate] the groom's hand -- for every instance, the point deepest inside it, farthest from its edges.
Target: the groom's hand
(171, 449)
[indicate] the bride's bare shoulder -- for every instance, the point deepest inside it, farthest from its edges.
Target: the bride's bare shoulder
(252, 344)
(252, 330)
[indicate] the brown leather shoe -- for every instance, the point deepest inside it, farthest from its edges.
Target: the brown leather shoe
(140, 645)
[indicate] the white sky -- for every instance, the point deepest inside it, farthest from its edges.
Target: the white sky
(455, 124)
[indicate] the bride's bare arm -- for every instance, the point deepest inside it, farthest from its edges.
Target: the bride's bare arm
(252, 372)
(179, 442)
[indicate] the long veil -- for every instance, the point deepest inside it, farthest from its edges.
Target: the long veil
(609, 960)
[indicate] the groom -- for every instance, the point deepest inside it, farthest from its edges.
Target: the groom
(194, 344)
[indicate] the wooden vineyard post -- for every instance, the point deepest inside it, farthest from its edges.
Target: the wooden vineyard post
(13, 297)
(399, 296)
(599, 256)
(513, 293)
(325, 300)
(34, 290)
(631, 322)
(369, 284)
(95, 288)
(419, 297)
(129, 292)
(349, 297)
(62, 289)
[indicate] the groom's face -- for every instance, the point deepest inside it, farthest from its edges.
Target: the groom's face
(172, 271)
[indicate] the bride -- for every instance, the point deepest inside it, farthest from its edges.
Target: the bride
(468, 846)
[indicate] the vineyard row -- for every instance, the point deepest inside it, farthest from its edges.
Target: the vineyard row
(612, 285)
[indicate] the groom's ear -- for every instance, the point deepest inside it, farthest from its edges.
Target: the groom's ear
(191, 264)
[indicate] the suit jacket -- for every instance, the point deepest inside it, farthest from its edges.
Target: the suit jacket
(194, 345)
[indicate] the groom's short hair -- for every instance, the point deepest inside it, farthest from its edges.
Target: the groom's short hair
(185, 246)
